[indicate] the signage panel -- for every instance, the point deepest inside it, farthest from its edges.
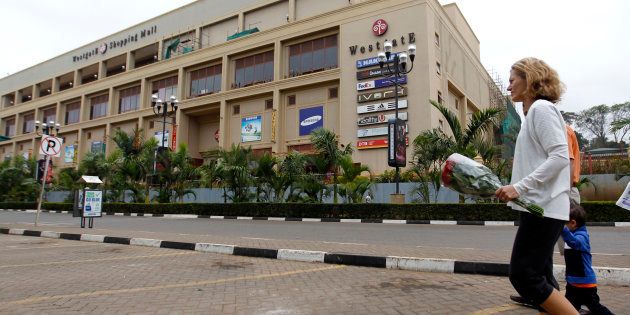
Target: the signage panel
(379, 107)
(379, 119)
(375, 144)
(158, 137)
(378, 72)
(375, 84)
(68, 156)
(397, 148)
(310, 119)
(50, 146)
(251, 128)
(380, 95)
(370, 132)
(364, 63)
(92, 203)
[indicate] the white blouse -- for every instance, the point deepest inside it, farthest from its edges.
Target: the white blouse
(541, 171)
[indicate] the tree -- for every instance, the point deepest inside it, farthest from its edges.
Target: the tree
(431, 148)
(235, 170)
(480, 123)
(620, 117)
(177, 175)
(135, 162)
(327, 146)
(595, 121)
(17, 180)
(353, 187)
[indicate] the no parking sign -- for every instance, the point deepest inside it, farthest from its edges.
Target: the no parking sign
(50, 146)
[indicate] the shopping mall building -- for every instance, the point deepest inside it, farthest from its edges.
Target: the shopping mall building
(262, 73)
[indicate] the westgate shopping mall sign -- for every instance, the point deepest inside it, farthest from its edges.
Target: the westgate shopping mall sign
(102, 48)
(402, 40)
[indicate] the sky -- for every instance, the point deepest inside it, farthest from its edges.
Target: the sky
(585, 41)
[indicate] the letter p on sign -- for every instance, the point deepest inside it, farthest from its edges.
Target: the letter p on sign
(50, 146)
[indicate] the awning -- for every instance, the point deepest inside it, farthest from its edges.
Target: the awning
(243, 33)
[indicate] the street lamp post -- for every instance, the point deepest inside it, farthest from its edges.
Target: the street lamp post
(160, 107)
(394, 74)
(47, 129)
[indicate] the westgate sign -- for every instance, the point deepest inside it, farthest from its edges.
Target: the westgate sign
(103, 47)
(379, 107)
(411, 39)
(380, 95)
(379, 119)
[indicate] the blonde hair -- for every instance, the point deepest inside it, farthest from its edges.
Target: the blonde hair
(542, 81)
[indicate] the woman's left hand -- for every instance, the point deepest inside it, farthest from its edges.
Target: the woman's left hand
(506, 193)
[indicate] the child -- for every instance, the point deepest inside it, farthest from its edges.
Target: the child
(581, 281)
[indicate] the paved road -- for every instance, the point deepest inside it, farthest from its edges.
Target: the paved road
(54, 276)
(477, 243)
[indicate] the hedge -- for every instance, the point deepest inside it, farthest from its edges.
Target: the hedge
(597, 211)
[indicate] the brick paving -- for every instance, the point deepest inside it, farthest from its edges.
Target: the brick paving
(53, 276)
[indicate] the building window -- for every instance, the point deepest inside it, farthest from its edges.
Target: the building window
(291, 99)
(437, 39)
(50, 115)
(89, 135)
(254, 69)
(129, 99)
(151, 124)
(269, 104)
(456, 104)
(165, 88)
(9, 129)
(440, 99)
(29, 123)
(236, 109)
(312, 56)
(438, 67)
(333, 93)
(205, 81)
(98, 106)
(72, 113)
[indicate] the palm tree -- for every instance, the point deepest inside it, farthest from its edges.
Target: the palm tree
(353, 187)
(17, 180)
(431, 148)
(135, 163)
(480, 123)
(326, 144)
(235, 171)
(177, 175)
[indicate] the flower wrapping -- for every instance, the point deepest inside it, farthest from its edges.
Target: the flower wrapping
(467, 176)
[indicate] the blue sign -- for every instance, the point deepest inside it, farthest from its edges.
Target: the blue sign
(364, 63)
(251, 128)
(310, 119)
(375, 84)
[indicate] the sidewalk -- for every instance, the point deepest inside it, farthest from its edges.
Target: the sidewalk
(612, 269)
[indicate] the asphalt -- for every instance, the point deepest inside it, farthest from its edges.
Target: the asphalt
(611, 268)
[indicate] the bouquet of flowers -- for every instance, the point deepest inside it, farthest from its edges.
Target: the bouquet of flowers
(466, 176)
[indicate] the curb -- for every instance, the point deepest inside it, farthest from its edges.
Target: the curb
(605, 275)
(292, 219)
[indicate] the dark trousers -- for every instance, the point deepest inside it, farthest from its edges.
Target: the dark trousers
(531, 265)
(587, 297)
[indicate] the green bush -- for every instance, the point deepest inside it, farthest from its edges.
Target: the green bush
(596, 211)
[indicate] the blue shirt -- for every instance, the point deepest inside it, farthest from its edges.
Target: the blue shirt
(578, 257)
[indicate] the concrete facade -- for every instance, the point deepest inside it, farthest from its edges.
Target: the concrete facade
(133, 62)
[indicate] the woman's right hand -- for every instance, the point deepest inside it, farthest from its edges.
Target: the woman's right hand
(506, 193)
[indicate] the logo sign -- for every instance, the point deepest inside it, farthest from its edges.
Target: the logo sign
(379, 27)
(174, 138)
(396, 147)
(310, 119)
(362, 133)
(379, 119)
(385, 94)
(92, 203)
(364, 63)
(379, 107)
(251, 128)
(97, 147)
(366, 74)
(375, 84)
(375, 144)
(103, 48)
(50, 146)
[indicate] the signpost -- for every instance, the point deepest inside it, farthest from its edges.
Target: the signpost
(88, 202)
(50, 146)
